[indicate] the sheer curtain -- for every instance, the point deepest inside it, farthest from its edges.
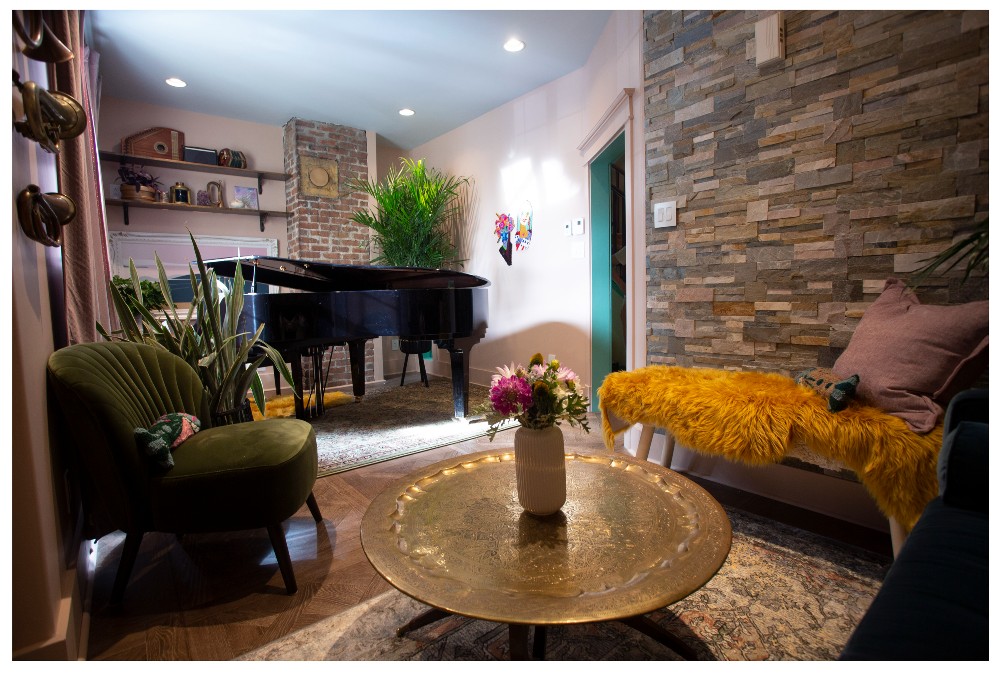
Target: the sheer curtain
(86, 263)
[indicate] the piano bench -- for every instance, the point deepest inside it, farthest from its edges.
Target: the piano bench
(412, 347)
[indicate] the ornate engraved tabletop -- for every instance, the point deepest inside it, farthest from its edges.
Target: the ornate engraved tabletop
(632, 537)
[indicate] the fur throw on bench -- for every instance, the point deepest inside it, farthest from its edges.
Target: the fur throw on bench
(755, 418)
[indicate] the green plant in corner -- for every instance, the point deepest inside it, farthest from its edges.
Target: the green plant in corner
(152, 297)
(208, 336)
(413, 205)
(974, 250)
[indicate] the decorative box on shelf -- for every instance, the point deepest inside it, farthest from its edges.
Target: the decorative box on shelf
(200, 155)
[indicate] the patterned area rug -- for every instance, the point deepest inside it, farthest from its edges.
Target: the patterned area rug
(783, 594)
(393, 421)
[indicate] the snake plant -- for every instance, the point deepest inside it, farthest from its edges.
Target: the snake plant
(208, 335)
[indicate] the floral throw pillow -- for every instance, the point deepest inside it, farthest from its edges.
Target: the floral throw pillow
(838, 392)
(168, 432)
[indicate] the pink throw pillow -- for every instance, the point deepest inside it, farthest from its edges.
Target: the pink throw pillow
(913, 358)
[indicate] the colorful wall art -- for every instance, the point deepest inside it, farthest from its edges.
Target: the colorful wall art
(513, 233)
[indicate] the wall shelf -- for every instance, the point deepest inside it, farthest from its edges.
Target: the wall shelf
(260, 176)
(212, 210)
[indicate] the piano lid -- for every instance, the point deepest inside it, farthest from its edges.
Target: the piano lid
(312, 276)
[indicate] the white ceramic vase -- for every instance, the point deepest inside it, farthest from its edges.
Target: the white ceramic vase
(540, 465)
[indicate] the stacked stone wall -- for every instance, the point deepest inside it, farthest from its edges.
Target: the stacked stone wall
(802, 184)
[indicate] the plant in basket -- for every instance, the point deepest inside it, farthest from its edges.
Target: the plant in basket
(538, 396)
(137, 183)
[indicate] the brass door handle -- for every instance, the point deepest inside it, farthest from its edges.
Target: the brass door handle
(42, 216)
(40, 43)
(49, 116)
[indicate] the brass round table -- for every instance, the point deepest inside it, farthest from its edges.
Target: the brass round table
(632, 537)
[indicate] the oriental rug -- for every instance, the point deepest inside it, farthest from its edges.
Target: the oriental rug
(782, 594)
(393, 421)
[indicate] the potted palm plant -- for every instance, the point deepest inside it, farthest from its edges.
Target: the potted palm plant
(409, 222)
(208, 336)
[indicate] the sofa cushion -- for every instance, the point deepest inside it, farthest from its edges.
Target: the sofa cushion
(232, 477)
(934, 602)
(912, 357)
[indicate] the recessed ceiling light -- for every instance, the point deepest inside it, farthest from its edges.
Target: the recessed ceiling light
(513, 44)
(177, 82)
(406, 112)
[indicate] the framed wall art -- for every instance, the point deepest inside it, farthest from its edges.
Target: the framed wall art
(247, 196)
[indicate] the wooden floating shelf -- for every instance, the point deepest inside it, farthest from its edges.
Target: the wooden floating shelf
(179, 207)
(259, 176)
(192, 166)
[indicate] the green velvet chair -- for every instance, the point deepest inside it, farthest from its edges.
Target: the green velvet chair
(226, 478)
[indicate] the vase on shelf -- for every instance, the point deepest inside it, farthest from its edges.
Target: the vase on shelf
(540, 466)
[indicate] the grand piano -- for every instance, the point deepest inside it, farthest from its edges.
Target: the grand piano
(342, 304)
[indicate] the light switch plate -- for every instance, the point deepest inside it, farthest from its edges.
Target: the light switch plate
(568, 228)
(665, 214)
(578, 226)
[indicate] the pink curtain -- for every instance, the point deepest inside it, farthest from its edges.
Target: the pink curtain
(86, 263)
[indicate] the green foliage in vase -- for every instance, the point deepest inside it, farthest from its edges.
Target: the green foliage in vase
(413, 205)
(209, 335)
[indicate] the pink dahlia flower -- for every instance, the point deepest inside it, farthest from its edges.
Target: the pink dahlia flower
(510, 394)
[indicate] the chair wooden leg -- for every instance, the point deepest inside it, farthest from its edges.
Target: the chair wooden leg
(645, 440)
(313, 507)
(897, 535)
(284, 560)
(668, 449)
(130, 552)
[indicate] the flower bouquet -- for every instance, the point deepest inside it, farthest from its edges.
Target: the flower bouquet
(537, 397)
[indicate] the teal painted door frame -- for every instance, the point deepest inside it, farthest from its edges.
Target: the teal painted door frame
(600, 259)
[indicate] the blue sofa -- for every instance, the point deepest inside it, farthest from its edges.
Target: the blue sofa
(934, 602)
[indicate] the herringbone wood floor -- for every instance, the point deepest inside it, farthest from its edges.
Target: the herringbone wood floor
(215, 597)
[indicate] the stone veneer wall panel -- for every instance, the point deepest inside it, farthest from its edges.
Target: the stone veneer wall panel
(803, 184)
(320, 228)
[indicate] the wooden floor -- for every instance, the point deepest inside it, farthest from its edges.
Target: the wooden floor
(215, 597)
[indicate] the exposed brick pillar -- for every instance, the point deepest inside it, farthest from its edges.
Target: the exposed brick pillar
(320, 227)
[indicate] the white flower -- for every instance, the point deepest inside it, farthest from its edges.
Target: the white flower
(504, 372)
(566, 374)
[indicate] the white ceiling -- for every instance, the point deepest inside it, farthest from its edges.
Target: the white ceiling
(356, 68)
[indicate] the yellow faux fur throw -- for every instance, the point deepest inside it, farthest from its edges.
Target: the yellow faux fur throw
(755, 417)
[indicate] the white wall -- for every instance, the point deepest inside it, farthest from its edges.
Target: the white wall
(526, 150)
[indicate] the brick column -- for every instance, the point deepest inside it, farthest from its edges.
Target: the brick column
(320, 227)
